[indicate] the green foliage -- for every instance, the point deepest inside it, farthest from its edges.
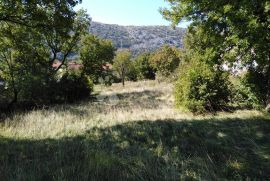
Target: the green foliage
(95, 53)
(132, 74)
(122, 64)
(27, 51)
(200, 87)
(38, 13)
(165, 60)
(108, 77)
(143, 68)
(74, 86)
(257, 83)
(231, 31)
(250, 90)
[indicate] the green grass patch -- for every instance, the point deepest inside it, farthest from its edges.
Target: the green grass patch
(207, 149)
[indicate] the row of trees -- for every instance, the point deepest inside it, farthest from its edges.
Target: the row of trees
(36, 35)
(159, 64)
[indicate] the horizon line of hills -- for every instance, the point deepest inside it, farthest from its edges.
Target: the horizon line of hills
(139, 39)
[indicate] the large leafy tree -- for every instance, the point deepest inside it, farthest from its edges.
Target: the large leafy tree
(228, 31)
(165, 60)
(95, 54)
(34, 13)
(28, 48)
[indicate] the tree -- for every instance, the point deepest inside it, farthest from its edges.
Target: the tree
(200, 87)
(122, 63)
(228, 31)
(35, 14)
(64, 42)
(165, 60)
(95, 53)
(27, 52)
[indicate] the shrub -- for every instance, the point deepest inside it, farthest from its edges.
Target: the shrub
(165, 60)
(249, 91)
(143, 67)
(132, 74)
(201, 88)
(74, 86)
(108, 77)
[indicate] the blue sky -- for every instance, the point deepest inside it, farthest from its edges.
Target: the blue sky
(126, 12)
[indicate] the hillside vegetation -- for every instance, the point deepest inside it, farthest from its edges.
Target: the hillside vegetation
(133, 133)
(195, 112)
(139, 39)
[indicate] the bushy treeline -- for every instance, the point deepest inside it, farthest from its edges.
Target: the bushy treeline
(224, 37)
(160, 64)
(203, 82)
(37, 39)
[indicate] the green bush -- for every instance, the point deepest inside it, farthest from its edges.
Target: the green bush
(201, 88)
(165, 60)
(143, 67)
(107, 78)
(131, 74)
(249, 91)
(74, 86)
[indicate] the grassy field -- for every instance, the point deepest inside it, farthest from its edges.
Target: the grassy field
(134, 133)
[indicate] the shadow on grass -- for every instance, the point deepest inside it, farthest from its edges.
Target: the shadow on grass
(224, 149)
(126, 101)
(144, 99)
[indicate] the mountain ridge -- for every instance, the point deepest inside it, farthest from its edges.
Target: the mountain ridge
(139, 39)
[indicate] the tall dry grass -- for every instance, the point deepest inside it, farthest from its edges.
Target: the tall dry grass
(134, 133)
(146, 100)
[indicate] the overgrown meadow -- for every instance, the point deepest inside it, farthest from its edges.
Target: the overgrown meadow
(134, 133)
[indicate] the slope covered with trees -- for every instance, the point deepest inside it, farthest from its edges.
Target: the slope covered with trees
(139, 38)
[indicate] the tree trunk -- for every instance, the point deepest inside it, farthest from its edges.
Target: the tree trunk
(123, 80)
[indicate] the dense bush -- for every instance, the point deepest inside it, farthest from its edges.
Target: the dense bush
(165, 60)
(250, 91)
(201, 88)
(257, 83)
(74, 86)
(143, 67)
(108, 77)
(132, 74)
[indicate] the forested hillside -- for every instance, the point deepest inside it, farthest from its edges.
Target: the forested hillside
(139, 38)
